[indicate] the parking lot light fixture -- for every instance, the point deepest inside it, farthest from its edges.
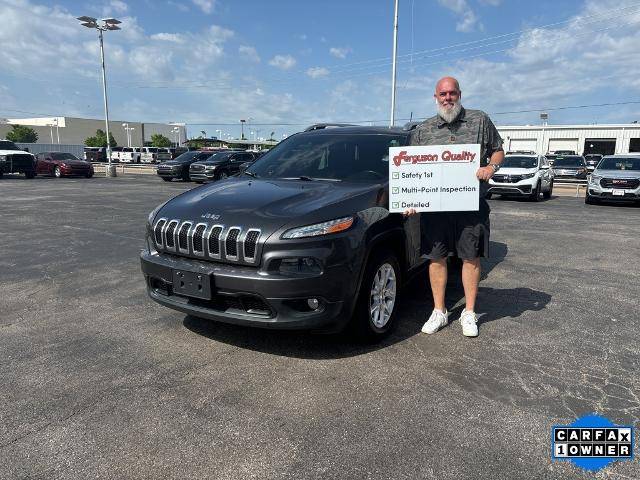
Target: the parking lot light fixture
(104, 24)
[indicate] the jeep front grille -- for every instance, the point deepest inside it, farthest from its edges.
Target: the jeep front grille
(215, 242)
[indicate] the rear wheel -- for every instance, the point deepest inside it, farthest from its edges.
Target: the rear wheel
(30, 174)
(547, 194)
(166, 179)
(57, 172)
(374, 316)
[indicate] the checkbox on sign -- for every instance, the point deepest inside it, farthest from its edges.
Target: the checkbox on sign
(395, 190)
(395, 205)
(395, 175)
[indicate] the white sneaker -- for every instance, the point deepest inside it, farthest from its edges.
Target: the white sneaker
(469, 323)
(436, 321)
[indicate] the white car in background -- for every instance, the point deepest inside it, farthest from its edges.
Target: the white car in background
(154, 155)
(115, 154)
(130, 155)
(523, 174)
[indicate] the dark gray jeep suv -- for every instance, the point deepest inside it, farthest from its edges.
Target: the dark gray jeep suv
(303, 239)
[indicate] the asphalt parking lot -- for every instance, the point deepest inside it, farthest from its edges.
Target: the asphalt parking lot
(98, 381)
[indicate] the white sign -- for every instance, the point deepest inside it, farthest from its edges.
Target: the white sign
(434, 178)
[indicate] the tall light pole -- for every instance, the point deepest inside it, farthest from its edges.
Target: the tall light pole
(242, 128)
(393, 69)
(125, 126)
(105, 24)
(57, 129)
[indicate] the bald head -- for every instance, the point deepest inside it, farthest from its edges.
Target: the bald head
(447, 97)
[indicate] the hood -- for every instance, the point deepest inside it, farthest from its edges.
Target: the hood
(515, 171)
(617, 173)
(212, 162)
(268, 204)
(173, 163)
(74, 163)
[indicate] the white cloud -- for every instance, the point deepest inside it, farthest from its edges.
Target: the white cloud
(179, 5)
(284, 62)
(119, 6)
(467, 18)
(168, 37)
(250, 53)
(317, 72)
(302, 37)
(206, 6)
(492, 3)
(340, 52)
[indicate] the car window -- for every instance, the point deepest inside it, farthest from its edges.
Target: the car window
(572, 161)
(63, 156)
(336, 156)
(519, 161)
(620, 163)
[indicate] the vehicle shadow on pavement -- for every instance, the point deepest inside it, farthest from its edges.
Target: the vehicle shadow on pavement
(413, 305)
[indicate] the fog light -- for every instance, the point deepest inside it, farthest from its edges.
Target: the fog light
(299, 266)
(313, 303)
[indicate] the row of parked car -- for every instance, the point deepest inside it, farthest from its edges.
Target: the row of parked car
(132, 154)
(56, 164)
(526, 174)
(206, 166)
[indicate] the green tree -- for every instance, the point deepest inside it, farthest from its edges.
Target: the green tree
(159, 140)
(100, 140)
(22, 134)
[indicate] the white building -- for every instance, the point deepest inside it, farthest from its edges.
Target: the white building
(582, 139)
(74, 131)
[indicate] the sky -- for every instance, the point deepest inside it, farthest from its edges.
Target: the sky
(282, 65)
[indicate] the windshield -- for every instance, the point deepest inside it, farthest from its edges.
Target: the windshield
(64, 156)
(519, 162)
(336, 156)
(216, 157)
(568, 162)
(620, 164)
(8, 146)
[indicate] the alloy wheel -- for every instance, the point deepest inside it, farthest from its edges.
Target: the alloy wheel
(382, 296)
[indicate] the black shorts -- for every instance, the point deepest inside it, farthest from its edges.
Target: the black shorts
(463, 234)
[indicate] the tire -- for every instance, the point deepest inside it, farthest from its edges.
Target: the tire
(166, 179)
(88, 175)
(488, 196)
(371, 326)
(1, 173)
(535, 195)
(57, 172)
(589, 200)
(547, 195)
(222, 175)
(30, 174)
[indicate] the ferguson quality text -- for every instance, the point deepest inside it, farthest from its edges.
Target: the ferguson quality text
(447, 156)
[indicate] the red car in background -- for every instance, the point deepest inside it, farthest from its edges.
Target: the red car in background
(62, 164)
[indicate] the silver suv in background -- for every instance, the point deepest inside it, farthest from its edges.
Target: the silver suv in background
(523, 174)
(154, 155)
(616, 178)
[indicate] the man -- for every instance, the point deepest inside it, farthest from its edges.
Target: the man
(464, 234)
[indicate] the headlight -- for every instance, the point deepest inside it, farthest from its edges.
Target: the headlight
(594, 179)
(210, 167)
(528, 175)
(324, 228)
(3, 158)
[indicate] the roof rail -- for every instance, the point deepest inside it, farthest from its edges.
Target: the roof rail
(410, 126)
(321, 126)
(522, 152)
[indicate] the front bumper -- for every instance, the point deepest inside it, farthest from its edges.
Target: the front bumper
(524, 187)
(202, 176)
(248, 296)
(170, 173)
(595, 190)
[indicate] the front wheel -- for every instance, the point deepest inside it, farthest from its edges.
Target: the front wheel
(547, 194)
(374, 316)
(535, 195)
(30, 174)
(222, 175)
(166, 179)
(57, 172)
(589, 200)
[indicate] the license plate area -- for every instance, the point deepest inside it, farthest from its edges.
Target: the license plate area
(617, 192)
(192, 284)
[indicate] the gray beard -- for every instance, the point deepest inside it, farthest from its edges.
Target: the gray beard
(451, 114)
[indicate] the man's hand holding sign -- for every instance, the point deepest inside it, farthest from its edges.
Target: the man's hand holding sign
(443, 176)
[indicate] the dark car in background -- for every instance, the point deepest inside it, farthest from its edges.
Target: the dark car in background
(569, 167)
(592, 160)
(616, 179)
(95, 154)
(218, 166)
(178, 168)
(14, 160)
(62, 164)
(303, 239)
